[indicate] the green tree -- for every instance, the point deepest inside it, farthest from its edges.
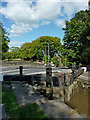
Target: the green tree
(15, 52)
(8, 55)
(37, 50)
(4, 40)
(55, 60)
(45, 59)
(69, 55)
(77, 38)
(24, 53)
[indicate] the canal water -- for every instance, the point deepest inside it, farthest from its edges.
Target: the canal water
(80, 101)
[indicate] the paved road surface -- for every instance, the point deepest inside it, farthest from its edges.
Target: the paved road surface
(29, 70)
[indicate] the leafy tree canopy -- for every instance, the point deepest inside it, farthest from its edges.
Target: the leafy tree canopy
(77, 36)
(40, 45)
(4, 40)
(25, 50)
(15, 51)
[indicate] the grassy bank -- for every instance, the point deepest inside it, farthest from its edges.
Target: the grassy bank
(16, 112)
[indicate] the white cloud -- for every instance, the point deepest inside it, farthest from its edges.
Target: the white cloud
(17, 30)
(44, 0)
(15, 43)
(72, 7)
(60, 22)
(20, 28)
(45, 22)
(73, 0)
(27, 15)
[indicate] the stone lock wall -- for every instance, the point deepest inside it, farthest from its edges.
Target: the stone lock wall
(65, 88)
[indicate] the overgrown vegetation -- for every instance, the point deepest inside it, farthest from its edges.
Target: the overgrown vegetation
(16, 112)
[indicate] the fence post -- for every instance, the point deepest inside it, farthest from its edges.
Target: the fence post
(21, 69)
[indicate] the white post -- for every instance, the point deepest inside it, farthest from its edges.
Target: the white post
(45, 56)
(48, 53)
(65, 61)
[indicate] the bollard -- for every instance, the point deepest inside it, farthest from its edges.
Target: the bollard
(48, 76)
(21, 69)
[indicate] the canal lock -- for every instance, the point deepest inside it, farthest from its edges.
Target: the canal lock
(54, 85)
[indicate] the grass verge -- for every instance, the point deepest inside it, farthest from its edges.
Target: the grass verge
(16, 112)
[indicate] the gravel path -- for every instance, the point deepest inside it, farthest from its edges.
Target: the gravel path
(25, 94)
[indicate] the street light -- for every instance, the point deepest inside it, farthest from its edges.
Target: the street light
(65, 61)
(48, 53)
(45, 56)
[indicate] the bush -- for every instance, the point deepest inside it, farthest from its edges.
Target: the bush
(55, 60)
(47, 59)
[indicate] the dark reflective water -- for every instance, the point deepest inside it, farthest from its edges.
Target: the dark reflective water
(80, 101)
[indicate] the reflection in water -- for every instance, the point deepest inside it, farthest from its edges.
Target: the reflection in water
(80, 101)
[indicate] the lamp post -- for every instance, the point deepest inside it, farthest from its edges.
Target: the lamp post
(65, 61)
(45, 56)
(48, 53)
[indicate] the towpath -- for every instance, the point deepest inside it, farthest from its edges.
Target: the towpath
(25, 94)
(85, 76)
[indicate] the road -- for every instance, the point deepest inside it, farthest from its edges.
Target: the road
(29, 70)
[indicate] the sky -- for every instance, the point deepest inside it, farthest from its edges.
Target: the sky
(27, 20)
